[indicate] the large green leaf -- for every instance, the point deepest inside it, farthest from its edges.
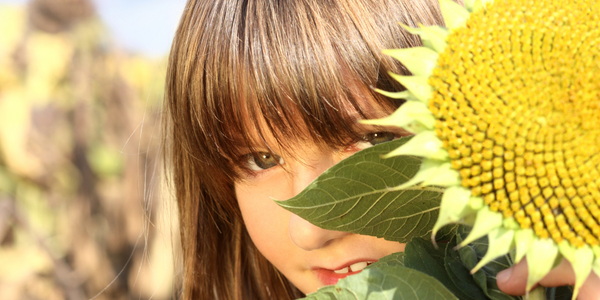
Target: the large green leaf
(332, 292)
(486, 276)
(385, 282)
(336, 292)
(392, 260)
(355, 196)
(460, 276)
(421, 255)
(560, 293)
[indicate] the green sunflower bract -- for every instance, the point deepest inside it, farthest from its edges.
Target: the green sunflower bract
(505, 105)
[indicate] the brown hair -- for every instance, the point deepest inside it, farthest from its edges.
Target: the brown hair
(287, 64)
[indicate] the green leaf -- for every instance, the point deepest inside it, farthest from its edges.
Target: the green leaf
(332, 292)
(460, 275)
(470, 256)
(385, 282)
(355, 196)
(559, 293)
(446, 233)
(421, 255)
(394, 259)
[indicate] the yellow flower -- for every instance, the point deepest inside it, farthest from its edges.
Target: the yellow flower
(505, 104)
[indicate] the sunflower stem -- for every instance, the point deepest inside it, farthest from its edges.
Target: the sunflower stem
(539, 293)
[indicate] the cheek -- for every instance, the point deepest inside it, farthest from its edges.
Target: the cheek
(266, 222)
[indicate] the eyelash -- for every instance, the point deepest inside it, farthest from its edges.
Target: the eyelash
(250, 164)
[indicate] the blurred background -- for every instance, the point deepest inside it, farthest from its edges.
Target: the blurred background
(83, 214)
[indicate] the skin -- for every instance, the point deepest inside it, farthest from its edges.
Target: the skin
(513, 280)
(302, 252)
(294, 246)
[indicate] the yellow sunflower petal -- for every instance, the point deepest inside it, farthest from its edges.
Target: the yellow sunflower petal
(454, 206)
(455, 15)
(445, 176)
(475, 5)
(501, 242)
(420, 61)
(428, 169)
(581, 260)
(596, 266)
(469, 4)
(523, 240)
(433, 37)
(485, 222)
(436, 36)
(406, 116)
(424, 144)
(540, 260)
(416, 85)
(397, 95)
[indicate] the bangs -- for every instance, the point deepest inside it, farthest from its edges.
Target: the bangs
(293, 71)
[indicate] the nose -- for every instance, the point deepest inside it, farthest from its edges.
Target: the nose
(302, 233)
(309, 237)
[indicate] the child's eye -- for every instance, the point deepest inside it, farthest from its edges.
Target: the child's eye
(379, 137)
(262, 161)
(373, 139)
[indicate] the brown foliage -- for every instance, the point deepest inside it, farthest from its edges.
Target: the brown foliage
(80, 212)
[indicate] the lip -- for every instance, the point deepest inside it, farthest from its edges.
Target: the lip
(329, 277)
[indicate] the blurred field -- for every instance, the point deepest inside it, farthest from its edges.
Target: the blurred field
(81, 210)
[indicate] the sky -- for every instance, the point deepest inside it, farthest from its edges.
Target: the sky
(144, 26)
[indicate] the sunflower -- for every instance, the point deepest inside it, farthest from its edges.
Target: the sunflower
(505, 107)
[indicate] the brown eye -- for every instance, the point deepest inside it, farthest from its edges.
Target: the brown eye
(372, 139)
(262, 161)
(379, 137)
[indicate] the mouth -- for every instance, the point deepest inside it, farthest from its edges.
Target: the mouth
(353, 268)
(330, 277)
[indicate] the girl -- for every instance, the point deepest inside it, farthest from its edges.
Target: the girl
(262, 96)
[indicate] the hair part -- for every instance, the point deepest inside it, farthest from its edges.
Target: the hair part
(290, 69)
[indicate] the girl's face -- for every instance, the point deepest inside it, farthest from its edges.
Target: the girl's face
(310, 257)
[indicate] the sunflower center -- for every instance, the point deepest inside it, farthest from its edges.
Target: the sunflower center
(518, 110)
